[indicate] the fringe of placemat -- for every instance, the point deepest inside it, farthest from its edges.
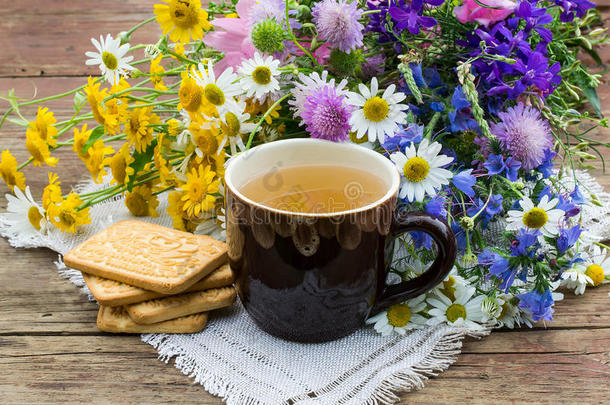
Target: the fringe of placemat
(443, 354)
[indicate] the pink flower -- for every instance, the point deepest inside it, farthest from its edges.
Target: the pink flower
(471, 11)
(322, 54)
(232, 36)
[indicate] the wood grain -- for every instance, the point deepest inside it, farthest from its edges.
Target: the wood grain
(51, 350)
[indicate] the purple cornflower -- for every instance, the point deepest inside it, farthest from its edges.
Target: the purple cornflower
(540, 305)
(436, 207)
(573, 7)
(495, 164)
(524, 135)
(337, 23)
(410, 16)
(525, 240)
(326, 115)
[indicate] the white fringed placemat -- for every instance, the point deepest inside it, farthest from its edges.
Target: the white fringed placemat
(233, 359)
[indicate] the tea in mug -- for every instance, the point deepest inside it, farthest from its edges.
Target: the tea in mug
(315, 188)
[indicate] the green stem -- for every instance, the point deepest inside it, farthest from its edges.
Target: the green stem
(294, 38)
(151, 19)
(260, 122)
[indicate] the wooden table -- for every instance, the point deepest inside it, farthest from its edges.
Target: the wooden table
(51, 350)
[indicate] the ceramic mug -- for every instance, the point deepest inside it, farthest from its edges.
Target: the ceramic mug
(314, 277)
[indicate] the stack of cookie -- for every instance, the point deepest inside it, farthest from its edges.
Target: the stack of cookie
(152, 279)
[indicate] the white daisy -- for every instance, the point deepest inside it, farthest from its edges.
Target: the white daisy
(510, 315)
(544, 216)
(260, 76)
(464, 311)
(110, 56)
(221, 91)
(575, 278)
(309, 83)
(450, 284)
(597, 266)
(400, 318)
(23, 214)
(374, 115)
(234, 126)
(421, 171)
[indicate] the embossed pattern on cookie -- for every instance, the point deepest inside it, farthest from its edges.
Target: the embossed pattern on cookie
(117, 320)
(148, 256)
(162, 309)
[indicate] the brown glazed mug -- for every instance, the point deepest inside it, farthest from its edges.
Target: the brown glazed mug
(314, 277)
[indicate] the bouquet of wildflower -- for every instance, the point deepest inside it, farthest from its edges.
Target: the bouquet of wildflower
(483, 105)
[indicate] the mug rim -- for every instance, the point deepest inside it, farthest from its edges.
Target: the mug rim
(390, 193)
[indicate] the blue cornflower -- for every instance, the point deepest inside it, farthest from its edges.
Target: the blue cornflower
(464, 181)
(546, 167)
(494, 205)
(512, 167)
(525, 239)
(567, 205)
(498, 267)
(461, 118)
(437, 207)
(535, 19)
(577, 196)
(411, 133)
(567, 238)
(540, 305)
(495, 164)
(573, 7)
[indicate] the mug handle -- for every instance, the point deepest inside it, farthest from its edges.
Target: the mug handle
(442, 234)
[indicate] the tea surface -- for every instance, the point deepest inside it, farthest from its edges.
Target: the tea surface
(315, 188)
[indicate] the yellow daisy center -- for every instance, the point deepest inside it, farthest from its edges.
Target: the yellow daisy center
(67, 218)
(536, 218)
(110, 60)
(183, 13)
(261, 75)
(455, 311)
(399, 315)
(596, 274)
(34, 216)
(449, 288)
(504, 310)
(190, 96)
(376, 109)
(416, 169)
(214, 94)
(233, 124)
(197, 191)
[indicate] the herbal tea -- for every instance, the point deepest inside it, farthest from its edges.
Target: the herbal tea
(315, 189)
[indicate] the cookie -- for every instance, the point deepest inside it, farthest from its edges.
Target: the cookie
(114, 293)
(162, 309)
(148, 256)
(116, 320)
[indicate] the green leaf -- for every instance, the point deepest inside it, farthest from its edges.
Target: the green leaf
(591, 94)
(96, 134)
(140, 160)
(593, 53)
(18, 121)
(486, 6)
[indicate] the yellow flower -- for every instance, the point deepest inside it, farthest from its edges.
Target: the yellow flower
(177, 214)
(96, 100)
(182, 19)
(80, 139)
(138, 129)
(120, 165)
(218, 163)
(65, 216)
(39, 150)
(9, 173)
(156, 71)
(51, 193)
(191, 95)
(179, 49)
(43, 126)
(174, 127)
(253, 107)
(115, 113)
(165, 175)
(205, 139)
(122, 85)
(198, 190)
(141, 202)
(96, 160)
